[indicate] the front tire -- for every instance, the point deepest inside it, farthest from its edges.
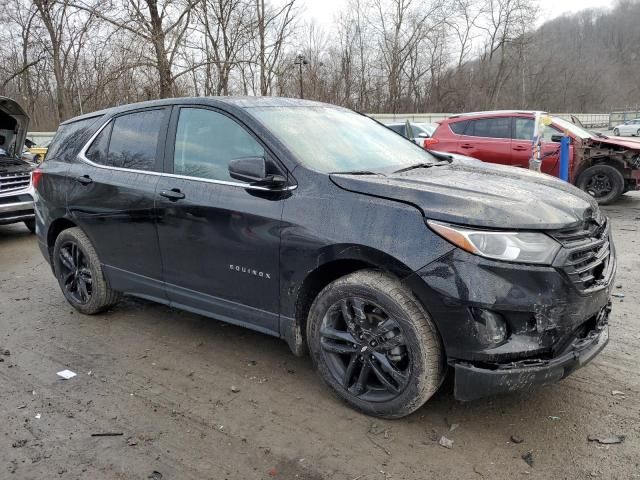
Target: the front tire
(638, 133)
(603, 182)
(79, 273)
(374, 344)
(616, 132)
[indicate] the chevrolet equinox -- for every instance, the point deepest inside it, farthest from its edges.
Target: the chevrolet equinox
(390, 265)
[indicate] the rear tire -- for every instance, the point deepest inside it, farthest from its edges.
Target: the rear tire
(638, 133)
(31, 225)
(603, 182)
(374, 344)
(79, 273)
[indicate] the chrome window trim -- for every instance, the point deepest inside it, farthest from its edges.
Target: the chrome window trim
(83, 157)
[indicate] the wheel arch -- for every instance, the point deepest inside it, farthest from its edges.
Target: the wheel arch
(57, 227)
(333, 262)
(618, 164)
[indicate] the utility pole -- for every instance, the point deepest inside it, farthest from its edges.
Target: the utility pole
(301, 60)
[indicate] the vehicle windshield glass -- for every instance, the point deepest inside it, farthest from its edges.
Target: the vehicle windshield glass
(572, 128)
(328, 139)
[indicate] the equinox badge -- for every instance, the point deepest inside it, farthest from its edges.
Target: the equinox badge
(250, 271)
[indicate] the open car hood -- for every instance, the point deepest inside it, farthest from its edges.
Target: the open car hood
(481, 195)
(14, 119)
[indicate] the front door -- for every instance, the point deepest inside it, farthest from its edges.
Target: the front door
(522, 142)
(219, 237)
(113, 194)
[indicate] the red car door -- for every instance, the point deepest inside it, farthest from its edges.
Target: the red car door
(487, 139)
(521, 145)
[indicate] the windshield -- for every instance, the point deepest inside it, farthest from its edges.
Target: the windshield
(572, 128)
(328, 139)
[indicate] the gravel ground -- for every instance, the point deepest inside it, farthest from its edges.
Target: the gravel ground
(198, 399)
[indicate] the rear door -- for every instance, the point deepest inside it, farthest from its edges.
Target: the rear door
(219, 237)
(487, 139)
(112, 198)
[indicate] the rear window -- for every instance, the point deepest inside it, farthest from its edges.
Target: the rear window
(70, 138)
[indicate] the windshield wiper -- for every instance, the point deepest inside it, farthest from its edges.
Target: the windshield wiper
(356, 172)
(421, 165)
(598, 134)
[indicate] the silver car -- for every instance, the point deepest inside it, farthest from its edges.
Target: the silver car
(419, 131)
(630, 127)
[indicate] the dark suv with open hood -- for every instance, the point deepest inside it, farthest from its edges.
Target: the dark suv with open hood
(16, 199)
(310, 222)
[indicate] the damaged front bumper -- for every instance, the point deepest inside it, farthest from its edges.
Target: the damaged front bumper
(476, 381)
(505, 326)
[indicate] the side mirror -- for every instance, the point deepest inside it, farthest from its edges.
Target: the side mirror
(423, 135)
(556, 138)
(254, 171)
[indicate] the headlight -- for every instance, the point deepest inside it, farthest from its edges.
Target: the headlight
(521, 247)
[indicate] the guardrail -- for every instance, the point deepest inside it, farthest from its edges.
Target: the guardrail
(589, 120)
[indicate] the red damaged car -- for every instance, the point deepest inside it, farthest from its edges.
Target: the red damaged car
(602, 166)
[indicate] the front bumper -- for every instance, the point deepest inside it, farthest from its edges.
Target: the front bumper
(552, 325)
(16, 207)
(477, 381)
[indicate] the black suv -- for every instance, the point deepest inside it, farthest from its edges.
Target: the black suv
(318, 225)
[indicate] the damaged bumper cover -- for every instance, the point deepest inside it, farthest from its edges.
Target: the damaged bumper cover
(476, 381)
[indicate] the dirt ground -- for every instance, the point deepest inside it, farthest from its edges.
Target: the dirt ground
(163, 379)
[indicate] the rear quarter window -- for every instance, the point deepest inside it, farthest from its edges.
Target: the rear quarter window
(459, 127)
(70, 138)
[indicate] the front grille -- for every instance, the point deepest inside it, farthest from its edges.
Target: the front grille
(586, 255)
(10, 182)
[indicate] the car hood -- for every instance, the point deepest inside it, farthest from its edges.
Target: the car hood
(11, 108)
(14, 165)
(630, 144)
(481, 195)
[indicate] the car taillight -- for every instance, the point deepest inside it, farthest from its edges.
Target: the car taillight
(35, 177)
(429, 143)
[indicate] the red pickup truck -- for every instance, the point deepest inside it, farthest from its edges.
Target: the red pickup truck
(604, 167)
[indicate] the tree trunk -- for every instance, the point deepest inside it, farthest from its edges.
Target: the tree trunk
(162, 60)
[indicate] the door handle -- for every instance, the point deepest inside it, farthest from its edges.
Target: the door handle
(466, 145)
(173, 194)
(520, 149)
(84, 180)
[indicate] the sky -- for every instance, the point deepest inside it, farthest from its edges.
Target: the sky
(323, 11)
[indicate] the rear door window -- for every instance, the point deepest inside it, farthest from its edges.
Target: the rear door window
(498, 127)
(130, 141)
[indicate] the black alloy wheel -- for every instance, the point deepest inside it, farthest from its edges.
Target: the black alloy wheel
(365, 350)
(374, 344)
(79, 272)
(76, 278)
